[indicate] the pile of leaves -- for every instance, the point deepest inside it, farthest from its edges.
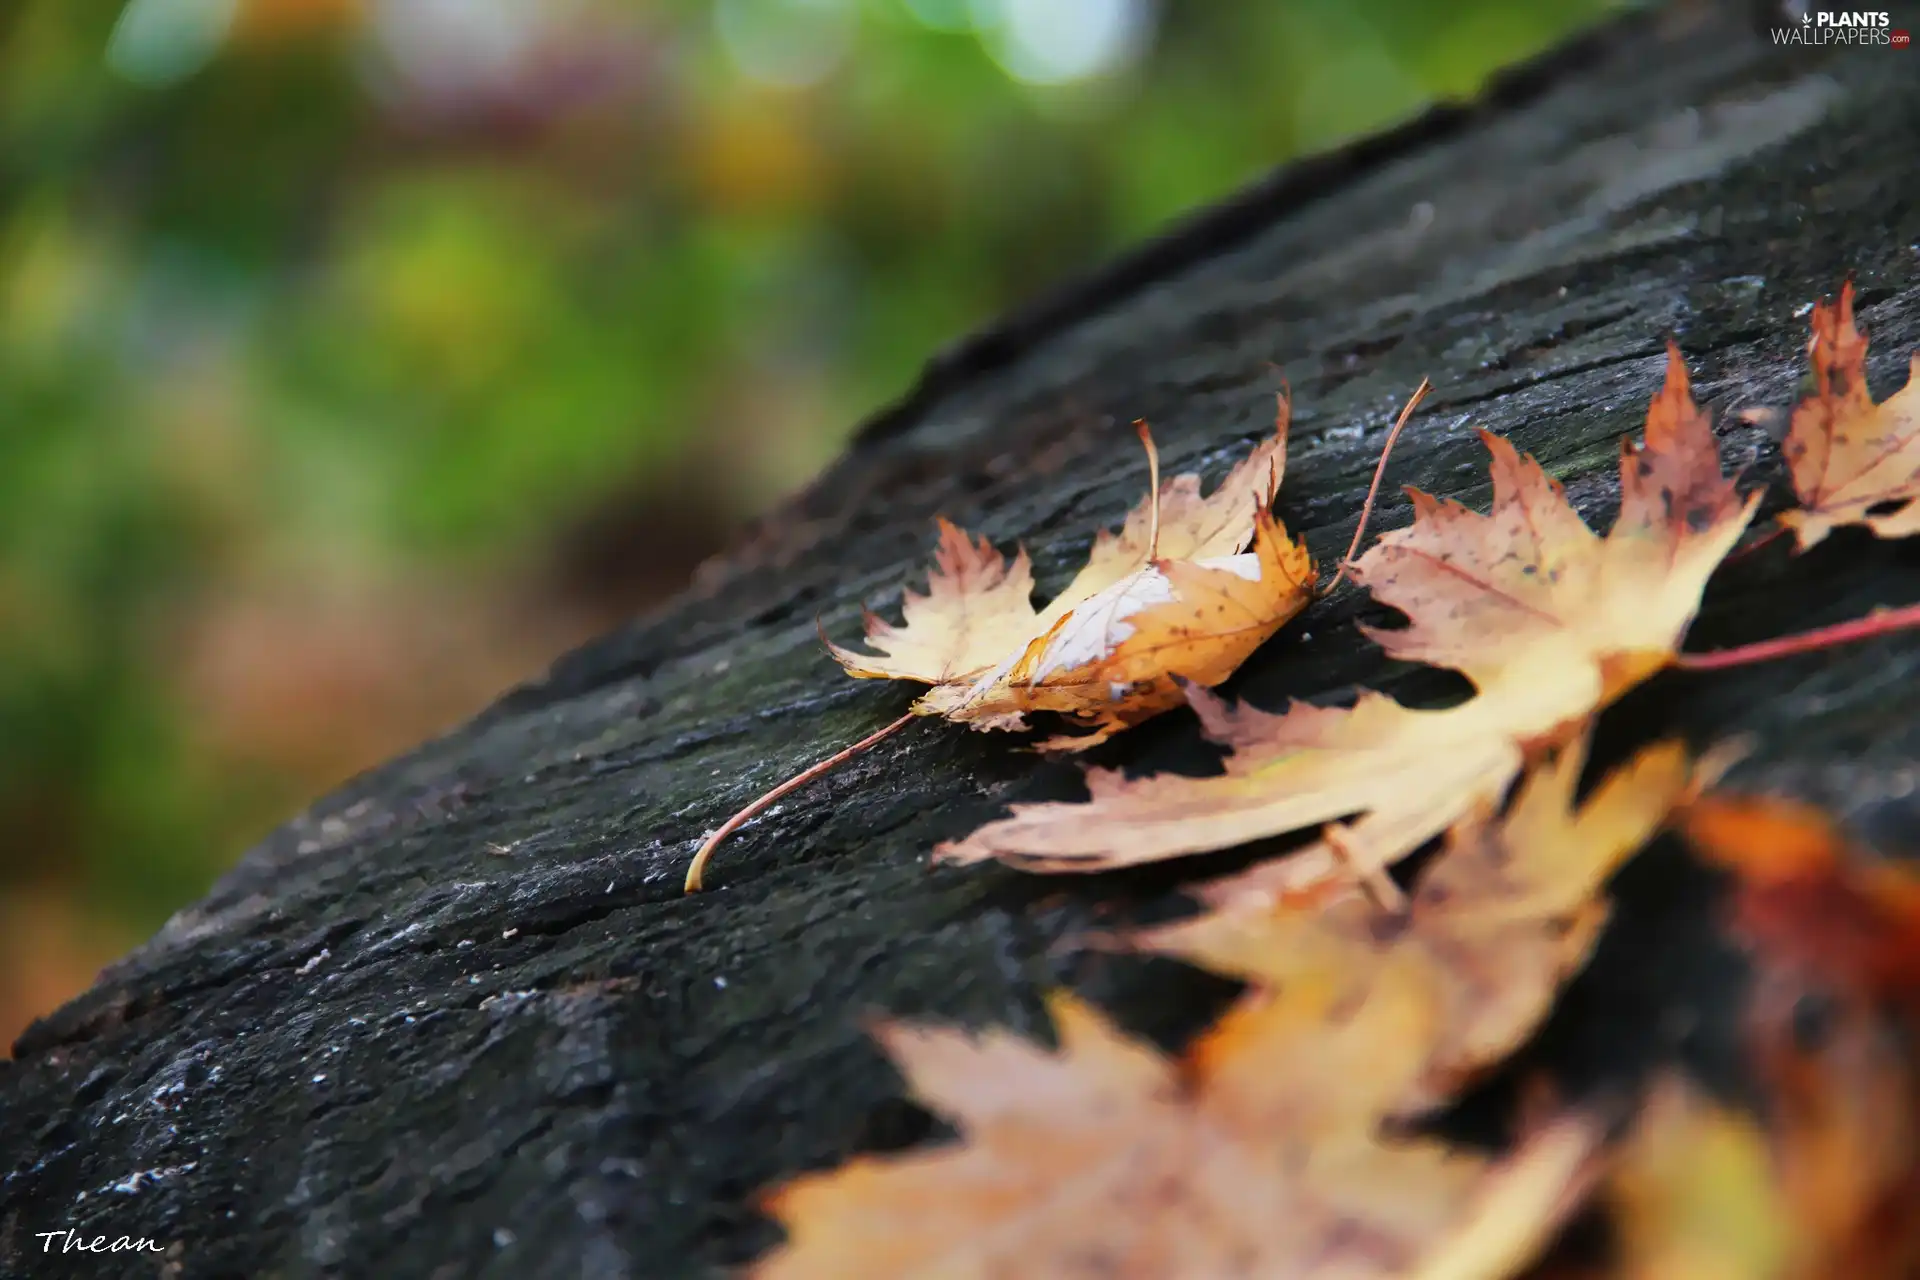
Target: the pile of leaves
(1287, 1140)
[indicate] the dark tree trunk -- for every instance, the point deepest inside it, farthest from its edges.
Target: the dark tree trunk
(459, 1020)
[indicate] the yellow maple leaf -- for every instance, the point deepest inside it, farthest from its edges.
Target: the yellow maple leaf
(1175, 593)
(1852, 461)
(1548, 620)
(1108, 1157)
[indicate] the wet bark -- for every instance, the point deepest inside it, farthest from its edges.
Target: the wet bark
(458, 1019)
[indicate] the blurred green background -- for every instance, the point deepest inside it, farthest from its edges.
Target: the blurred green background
(359, 356)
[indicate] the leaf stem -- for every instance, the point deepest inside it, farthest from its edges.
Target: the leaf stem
(1878, 623)
(1153, 490)
(697, 868)
(1373, 490)
(1379, 887)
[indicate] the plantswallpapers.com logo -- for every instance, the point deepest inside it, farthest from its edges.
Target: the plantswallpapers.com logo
(1852, 26)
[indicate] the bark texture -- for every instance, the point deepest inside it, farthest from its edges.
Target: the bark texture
(458, 1019)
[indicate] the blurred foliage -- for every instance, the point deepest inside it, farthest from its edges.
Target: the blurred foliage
(358, 355)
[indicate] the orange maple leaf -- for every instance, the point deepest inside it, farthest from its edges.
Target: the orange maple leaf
(1109, 1157)
(1547, 619)
(1175, 593)
(1853, 461)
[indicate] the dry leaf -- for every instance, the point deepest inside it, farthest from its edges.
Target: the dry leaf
(1805, 898)
(1824, 1188)
(1853, 461)
(1693, 1195)
(1843, 1112)
(1823, 1181)
(1835, 939)
(1109, 1159)
(1260, 1152)
(1506, 912)
(1181, 597)
(1547, 619)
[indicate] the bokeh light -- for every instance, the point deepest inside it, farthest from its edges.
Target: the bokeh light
(1061, 41)
(357, 357)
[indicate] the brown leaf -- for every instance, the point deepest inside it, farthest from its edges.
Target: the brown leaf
(1852, 459)
(1547, 619)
